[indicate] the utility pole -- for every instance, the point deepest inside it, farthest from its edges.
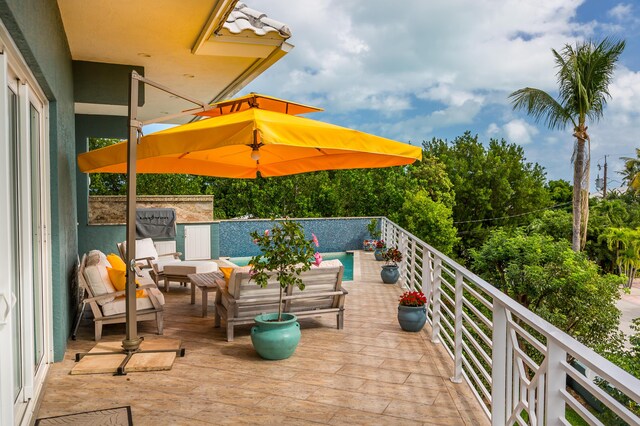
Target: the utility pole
(604, 185)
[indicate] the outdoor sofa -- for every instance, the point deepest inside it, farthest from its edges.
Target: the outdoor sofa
(241, 299)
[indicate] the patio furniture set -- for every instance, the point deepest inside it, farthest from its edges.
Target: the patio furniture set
(237, 299)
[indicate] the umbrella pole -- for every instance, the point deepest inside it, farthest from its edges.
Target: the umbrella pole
(132, 342)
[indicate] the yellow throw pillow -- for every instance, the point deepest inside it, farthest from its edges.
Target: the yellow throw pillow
(226, 271)
(119, 280)
(116, 262)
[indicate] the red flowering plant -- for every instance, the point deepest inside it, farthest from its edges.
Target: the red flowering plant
(392, 256)
(380, 245)
(413, 298)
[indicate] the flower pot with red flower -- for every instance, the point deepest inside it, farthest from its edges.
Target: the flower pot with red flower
(390, 272)
(412, 311)
(374, 233)
(380, 248)
(286, 253)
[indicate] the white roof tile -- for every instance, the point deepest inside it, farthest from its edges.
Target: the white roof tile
(243, 18)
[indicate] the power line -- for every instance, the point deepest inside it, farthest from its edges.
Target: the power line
(515, 215)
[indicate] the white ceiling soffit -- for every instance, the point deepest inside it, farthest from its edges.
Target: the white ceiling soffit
(206, 49)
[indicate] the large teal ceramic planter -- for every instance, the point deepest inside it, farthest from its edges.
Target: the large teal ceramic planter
(390, 274)
(412, 318)
(273, 339)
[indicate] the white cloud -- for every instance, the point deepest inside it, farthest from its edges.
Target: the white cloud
(515, 131)
(417, 69)
(621, 11)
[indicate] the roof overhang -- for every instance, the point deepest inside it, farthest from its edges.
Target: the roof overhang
(206, 49)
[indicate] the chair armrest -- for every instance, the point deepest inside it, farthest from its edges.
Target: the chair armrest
(345, 292)
(104, 296)
(143, 286)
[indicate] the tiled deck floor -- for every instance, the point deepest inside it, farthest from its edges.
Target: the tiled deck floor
(370, 373)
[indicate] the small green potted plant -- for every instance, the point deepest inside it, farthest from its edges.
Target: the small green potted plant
(390, 272)
(380, 249)
(412, 311)
(286, 253)
(374, 233)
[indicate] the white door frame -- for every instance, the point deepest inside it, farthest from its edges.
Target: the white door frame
(14, 72)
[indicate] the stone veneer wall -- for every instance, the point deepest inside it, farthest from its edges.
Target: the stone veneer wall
(111, 209)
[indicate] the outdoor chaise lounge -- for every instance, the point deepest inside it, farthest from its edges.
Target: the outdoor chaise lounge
(167, 267)
(241, 300)
(107, 304)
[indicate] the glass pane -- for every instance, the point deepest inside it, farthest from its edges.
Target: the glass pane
(13, 240)
(36, 237)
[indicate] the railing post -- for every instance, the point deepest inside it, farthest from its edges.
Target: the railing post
(457, 338)
(427, 270)
(412, 272)
(405, 261)
(437, 280)
(556, 383)
(499, 365)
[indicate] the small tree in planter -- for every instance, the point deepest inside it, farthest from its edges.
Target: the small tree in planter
(374, 233)
(286, 253)
(390, 272)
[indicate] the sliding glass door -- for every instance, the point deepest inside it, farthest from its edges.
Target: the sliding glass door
(25, 307)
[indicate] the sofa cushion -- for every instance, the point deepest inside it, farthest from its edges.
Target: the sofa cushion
(333, 263)
(118, 306)
(97, 277)
(145, 248)
(190, 267)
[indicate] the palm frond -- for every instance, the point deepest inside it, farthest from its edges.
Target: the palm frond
(541, 106)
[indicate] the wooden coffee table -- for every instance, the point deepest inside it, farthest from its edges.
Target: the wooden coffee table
(206, 283)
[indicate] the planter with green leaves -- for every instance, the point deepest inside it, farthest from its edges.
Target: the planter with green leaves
(412, 311)
(286, 253)
(390, 272)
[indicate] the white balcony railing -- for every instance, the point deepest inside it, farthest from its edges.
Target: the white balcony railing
(516, 363)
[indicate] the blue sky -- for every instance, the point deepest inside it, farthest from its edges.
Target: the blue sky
(418, 69)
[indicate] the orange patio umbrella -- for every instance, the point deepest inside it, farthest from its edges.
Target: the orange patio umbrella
(251, 141)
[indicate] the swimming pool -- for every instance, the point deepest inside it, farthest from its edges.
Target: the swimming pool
(344, 257)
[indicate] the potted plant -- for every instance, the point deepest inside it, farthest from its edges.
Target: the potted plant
(390, 272)
(412, 311)
(286, 253)
(380, 249)
(374, 233)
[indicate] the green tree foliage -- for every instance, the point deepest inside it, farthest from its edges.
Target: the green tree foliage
(427, 219)
(631, 172)
(554, 223)
(489, 182)
(625, 243)
(552, 280)
(584, 74)
(560, 192)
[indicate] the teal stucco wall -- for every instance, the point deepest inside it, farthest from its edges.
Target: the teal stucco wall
(36, 28)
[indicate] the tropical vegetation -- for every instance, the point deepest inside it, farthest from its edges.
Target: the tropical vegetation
(584, 74)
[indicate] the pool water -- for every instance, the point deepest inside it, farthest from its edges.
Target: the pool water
(344, 257)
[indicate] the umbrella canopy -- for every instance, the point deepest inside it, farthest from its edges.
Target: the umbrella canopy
(241, 144)
(256, 100)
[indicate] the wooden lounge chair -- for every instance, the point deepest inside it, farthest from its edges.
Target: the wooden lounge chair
(107, 304)
(167, 267)
(242, 299)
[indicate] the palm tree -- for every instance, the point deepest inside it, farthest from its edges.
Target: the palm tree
(584, 75)
(631, 172)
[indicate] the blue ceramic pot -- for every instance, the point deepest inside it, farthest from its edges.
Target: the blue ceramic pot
(274, 339)
(412, 318)
(390, 274)
(378, 254)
